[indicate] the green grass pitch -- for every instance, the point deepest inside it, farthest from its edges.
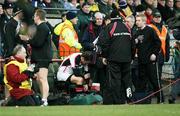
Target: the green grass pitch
(94, 110)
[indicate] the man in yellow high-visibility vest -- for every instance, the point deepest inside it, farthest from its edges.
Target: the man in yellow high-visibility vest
(68, 38)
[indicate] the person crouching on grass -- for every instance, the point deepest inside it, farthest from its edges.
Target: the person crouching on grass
(17, 77)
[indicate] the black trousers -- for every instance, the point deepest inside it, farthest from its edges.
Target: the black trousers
(160, 80)
(135, 73)
(149, 78)
(119, 79)
(98, 74)
(30, 100)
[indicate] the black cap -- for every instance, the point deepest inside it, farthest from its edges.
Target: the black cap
(8, 5)
(140, 8)
(115, 14)
(71, 15)
(122, 4)
(1, 4)
(107, 17)
(17, 10)
(156, 14)
(84, 4)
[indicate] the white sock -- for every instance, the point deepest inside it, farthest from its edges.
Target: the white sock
(128, 92)
(45, 102)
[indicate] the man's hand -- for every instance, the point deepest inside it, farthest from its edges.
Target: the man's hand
(153, 57)
(132, 61)
(24, 37)
(104, 60)
(87, 76)
(31, 67)
(136, 41)
(85, 87)
(30, 74)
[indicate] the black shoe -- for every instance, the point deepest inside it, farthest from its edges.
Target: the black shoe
(160, 101)
(171, 101)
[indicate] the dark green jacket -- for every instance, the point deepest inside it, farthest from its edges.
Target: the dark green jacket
(83, 22)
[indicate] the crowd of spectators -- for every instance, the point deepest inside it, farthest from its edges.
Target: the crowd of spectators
(129, 40)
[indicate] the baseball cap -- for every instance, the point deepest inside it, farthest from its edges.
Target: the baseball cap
(156, 14)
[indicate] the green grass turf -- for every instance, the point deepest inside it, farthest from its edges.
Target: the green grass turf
(94, 110)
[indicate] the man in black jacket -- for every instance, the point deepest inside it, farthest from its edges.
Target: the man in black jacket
(116, 44)
(41, 51)
(148, 47)
(11, 32)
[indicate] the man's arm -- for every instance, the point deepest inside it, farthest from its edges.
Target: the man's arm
(104, 42)
(167, 48)
(40, 37)
(68, 36)
(14, 75)
(156, 45)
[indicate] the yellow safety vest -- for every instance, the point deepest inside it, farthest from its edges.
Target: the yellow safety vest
(22, 66)
(68, 39)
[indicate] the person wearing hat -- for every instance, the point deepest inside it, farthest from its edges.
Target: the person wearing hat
(5, 15)
(140, 9)
(54, 36)
(68, 37)
(6, 12)
(83, 19)
(28, 10)
(125, 8)
(8, 9)
(163, 35)
(11, 31)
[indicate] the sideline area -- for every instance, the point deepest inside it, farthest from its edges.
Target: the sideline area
(95, 110)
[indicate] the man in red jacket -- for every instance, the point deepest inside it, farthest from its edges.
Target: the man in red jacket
(17, 76)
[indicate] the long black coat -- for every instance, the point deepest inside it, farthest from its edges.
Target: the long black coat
(118, 47)
(11, 38)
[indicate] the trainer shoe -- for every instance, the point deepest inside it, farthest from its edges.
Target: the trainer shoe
(171, 101)
(44, 103)
(128, 92)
